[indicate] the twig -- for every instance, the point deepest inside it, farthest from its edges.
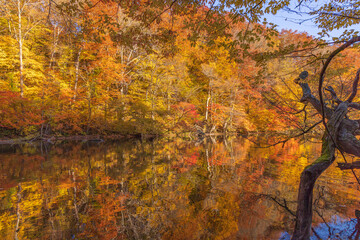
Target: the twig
(298, 135)
(279, 203)
(315, 233)
(339, 15)
(166, 9)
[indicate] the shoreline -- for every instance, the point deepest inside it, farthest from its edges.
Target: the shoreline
(101, 138)
(53, 138)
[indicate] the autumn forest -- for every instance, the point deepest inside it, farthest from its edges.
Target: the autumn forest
(221, 115)
(131, 67)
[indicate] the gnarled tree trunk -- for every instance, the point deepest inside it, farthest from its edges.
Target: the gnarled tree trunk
(312, 172)
(340, 133)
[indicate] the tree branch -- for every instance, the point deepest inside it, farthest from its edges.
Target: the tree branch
(333, 94)
(308, 97)
(355, 105)
(297, 135)
(346, 139)
(339, 15)
(165, 10)
(355, 85)
(322, 73)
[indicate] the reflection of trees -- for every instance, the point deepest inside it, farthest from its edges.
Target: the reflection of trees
(357, 226)
(158, 189)
(18, 214)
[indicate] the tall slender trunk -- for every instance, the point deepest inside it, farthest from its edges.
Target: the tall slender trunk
(207, 105)
(42, 111)
(20, 40)
(89, 108)
(56, 33)
(77, 66)
(152, 91)
(233, 93)
(106, 108)
(168, 100)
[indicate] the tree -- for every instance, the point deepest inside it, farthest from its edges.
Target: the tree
(340, 133)
(22, 18)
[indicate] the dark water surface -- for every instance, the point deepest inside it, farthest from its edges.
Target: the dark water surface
(167, 190)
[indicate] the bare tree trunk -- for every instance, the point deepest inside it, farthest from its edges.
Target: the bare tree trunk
(77, 66)
(229, 120)
(20, 40)
(89, 107)
(89, 116)
(56, 33)
(106, 109)
(42, 111)
(207, 106)
(152, 91)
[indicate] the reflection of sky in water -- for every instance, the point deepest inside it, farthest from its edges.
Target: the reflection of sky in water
(337, 228)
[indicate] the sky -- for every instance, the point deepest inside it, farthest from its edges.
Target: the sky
(302, 22)
(286, 20)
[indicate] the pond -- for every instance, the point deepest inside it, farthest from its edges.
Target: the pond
(161, 189)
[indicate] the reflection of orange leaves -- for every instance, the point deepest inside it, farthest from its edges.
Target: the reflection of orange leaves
(101, 221)
(7, 184)
(192, 159)
(257, 173)
(16, 164)
(219, 155)
(189, 159)
(281, 154)
(66, 183)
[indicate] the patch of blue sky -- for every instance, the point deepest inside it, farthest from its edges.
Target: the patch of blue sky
(337, 228)
(298, 18)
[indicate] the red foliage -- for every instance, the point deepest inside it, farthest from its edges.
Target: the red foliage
(186, 114)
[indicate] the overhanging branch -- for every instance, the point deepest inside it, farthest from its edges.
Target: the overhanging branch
(323, 70)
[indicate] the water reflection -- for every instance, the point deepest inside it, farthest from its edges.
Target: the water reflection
(337, 228)
(166, 190)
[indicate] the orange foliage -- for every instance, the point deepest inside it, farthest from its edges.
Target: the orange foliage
(18, 113)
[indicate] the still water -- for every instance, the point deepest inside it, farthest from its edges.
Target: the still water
(164, 189)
